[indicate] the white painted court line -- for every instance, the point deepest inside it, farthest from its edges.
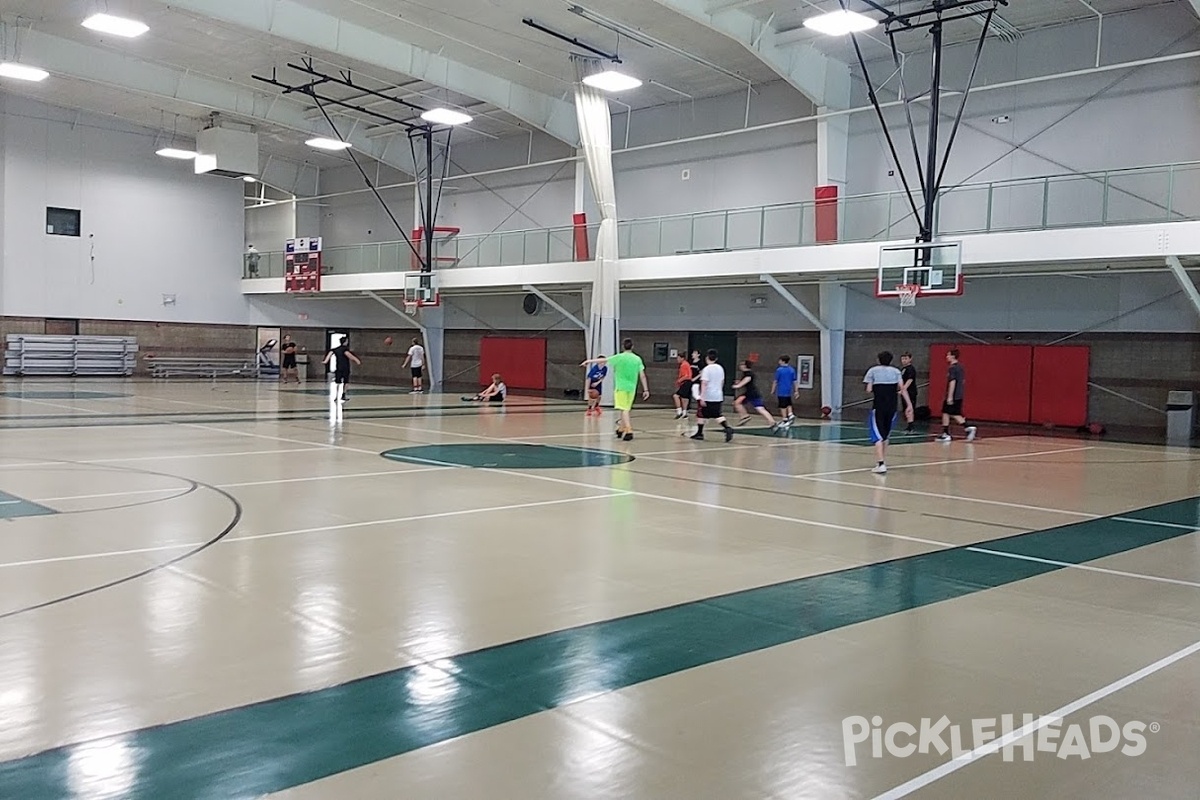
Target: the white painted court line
(55, 405)
(322, 529)
(1086, 568)
(958, 498)
(937, 773)
(948, 461)
(9, 502)
(198, 455)
(280, 439)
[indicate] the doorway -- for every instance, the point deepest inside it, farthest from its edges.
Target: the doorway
(726, 345)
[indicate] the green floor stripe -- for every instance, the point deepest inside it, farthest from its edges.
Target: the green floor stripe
(508, 455)
(840, 433)
(12, 507)
(277, 744)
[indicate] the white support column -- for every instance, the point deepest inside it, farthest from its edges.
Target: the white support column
(1185, 281)
(556, 306)
(833, 345)
(432, 335)
(595, 133)
(833, 145)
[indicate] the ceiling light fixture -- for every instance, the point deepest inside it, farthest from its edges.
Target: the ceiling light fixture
(249, 179)
(840, 23)
(321, 143)
(173, 152)
(22, 72)
(445, 116)
(117, 26)
(612, 81)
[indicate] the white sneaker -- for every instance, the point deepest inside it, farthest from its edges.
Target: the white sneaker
(945, 437)
(971, 434)
(880, 469)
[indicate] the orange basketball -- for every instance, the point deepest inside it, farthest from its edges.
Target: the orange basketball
(388, 341)
(592, 393)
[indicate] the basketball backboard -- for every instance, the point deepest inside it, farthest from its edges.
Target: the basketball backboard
(934, 266)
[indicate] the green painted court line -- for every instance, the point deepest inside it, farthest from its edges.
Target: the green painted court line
(285, 742)
(839, 433)
(13, 507)
(509, 455)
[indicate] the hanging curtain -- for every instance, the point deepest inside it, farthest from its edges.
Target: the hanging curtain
(595, 133)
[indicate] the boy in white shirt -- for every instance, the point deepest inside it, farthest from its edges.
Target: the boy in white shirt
(416, 357)
(886, 384)
(712, 394)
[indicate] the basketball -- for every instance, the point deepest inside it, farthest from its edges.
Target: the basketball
(388, 341)
(593, 394)
(826, 411)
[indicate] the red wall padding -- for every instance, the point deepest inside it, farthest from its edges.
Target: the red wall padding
(1015, 383)
(1060, 385)
(521, 362)
(998, 380)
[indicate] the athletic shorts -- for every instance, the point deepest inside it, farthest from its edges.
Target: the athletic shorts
(623, 401)
(496, 398)
(953, 409)
(880, 424)
(784, 402)
(684, 392)
(711, 410)
(753, 402)
(696, 392)
(289, 362)
(418, 371)
(341, 377)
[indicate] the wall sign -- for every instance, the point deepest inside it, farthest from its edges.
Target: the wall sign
(804, 371)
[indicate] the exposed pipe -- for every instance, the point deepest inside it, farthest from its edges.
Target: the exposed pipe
(1191, 54)
(1099, 28)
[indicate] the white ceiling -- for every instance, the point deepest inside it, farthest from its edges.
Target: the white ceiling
(485, 34)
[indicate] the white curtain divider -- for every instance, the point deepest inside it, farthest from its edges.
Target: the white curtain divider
(595, 132)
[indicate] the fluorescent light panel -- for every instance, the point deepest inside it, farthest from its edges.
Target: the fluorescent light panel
(249, 179)
(172, 152)
(117, 26)
(322, 143)
(445, 116)
(22, 72)
(840, 23)
(612, 81)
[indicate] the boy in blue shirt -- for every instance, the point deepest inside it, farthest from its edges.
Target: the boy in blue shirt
(595, 380)
(784, 387)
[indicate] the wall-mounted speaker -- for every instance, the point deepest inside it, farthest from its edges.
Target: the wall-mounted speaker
(532, 304)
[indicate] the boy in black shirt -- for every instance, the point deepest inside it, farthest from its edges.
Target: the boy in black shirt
(956, 380)
(751, 396)
(341, 358)
(908, 380)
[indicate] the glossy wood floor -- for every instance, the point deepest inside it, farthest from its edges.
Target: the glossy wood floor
(226, 591)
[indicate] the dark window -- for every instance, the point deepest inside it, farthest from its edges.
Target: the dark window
(62, 221)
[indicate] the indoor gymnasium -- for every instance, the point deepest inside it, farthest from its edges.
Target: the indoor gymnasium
(655, 399)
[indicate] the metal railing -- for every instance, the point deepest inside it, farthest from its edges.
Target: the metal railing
(1166, 193)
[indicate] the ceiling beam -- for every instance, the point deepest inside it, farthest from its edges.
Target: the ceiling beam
(1195, 4)
(311, 27)
(116, 70)
(824, 80)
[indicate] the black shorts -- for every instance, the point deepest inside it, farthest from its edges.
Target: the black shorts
(784, 402)
(417, 372)
(289, 361)
(953, 409)
(496, 398)
(881, 422)
(711, 410)
(684, 392)
(341, 377)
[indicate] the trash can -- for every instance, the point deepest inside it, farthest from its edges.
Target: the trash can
(302, 367)
(1181, 417)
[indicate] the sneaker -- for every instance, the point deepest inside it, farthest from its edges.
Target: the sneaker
(728, 434)
(629, 437)
(945, 437)
(971, 433)
(880, 469)
(680, 414)
(699, 437)
(742, 421)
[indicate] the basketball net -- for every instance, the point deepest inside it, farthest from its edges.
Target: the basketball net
(908, 295)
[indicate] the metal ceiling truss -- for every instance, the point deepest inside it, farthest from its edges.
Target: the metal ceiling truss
(297, 22)
(421, 137)
(931, 169)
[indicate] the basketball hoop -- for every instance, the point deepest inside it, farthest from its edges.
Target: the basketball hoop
(908, 295)
(411, 306)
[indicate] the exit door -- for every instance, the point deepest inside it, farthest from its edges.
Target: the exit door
(726, 345)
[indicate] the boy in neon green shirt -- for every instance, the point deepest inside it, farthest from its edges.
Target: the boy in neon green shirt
(627, 369)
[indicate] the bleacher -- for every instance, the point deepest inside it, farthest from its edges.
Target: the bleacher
(201, 367)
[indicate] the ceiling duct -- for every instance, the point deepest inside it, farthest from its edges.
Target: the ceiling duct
(227, 152)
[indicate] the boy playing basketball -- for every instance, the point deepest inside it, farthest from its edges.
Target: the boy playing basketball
(885, 382)
(341, 358)
(784, 387)
(628, 369)
(751, 397)
(683, 384)
(595, 382)
(953, 407)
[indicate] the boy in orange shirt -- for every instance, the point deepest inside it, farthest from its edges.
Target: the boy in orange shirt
(683, 385)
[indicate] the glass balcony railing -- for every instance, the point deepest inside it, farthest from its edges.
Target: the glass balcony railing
(1169, 193)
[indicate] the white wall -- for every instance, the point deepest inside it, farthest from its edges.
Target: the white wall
(269, 227)
(158, 229)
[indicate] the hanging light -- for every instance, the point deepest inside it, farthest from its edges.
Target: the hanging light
(840, 23)
(117, 26)
(321, 143)
(446, 116)
(175, 152)
(612, 81)
(22, 72)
